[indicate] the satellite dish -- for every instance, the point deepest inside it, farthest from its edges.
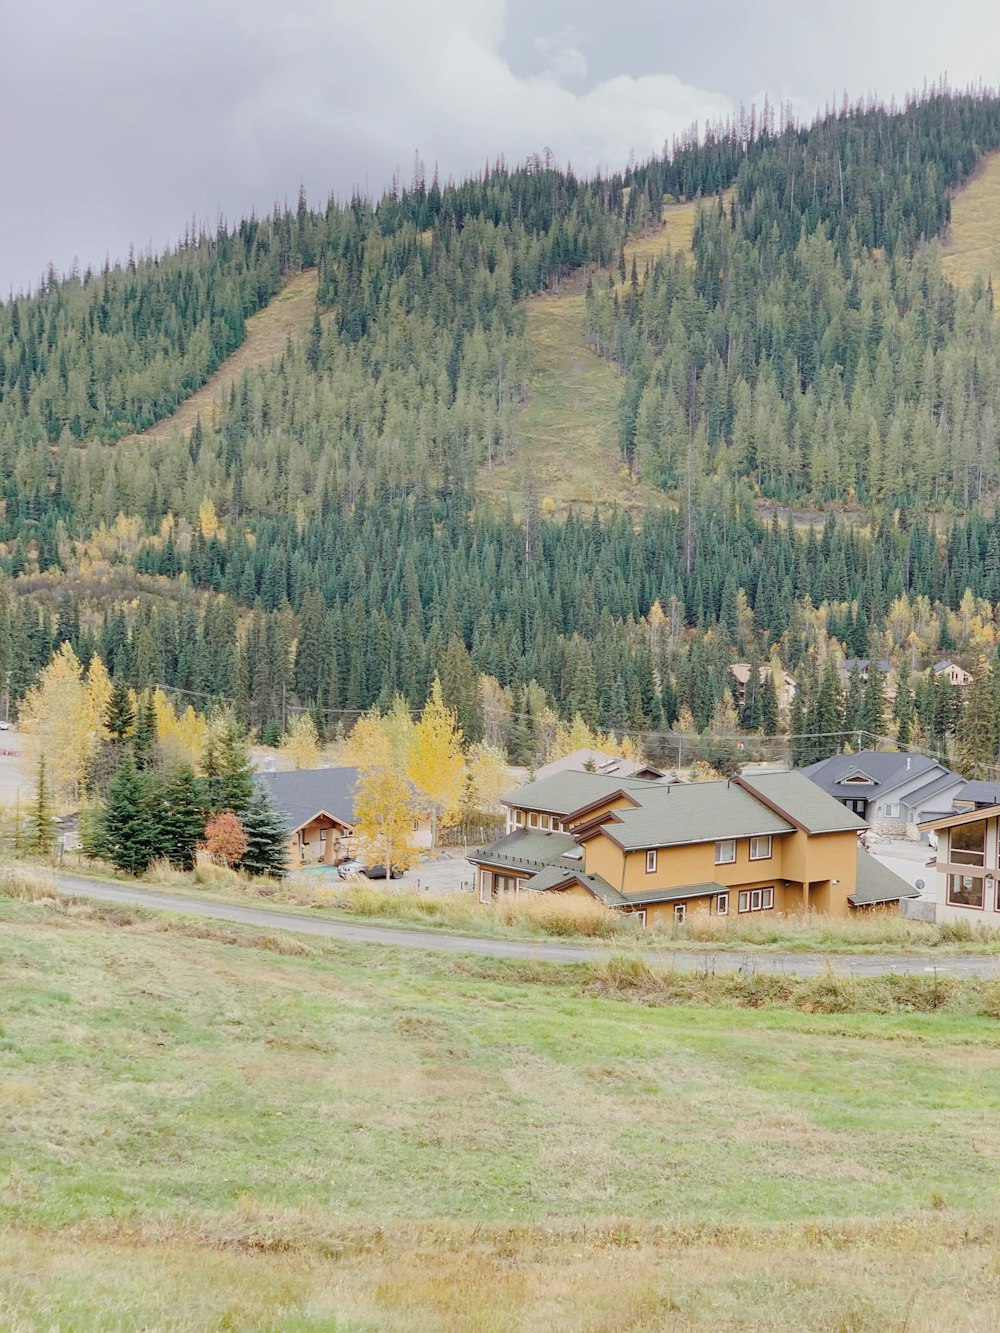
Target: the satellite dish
(919, 884)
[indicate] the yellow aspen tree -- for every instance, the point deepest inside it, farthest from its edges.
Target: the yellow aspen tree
(436, 766)
(384, 815)
(300, 743)
(488, 777)
(398, 727)
(55, 714)
(180, 736)
(368, 745)
(97, 696)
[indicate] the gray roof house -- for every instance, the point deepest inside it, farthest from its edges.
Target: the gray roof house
(596, 761)
(891, 790)
(304, 793)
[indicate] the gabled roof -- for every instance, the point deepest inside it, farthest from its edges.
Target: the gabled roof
(955, 818)
(690, 813)
(876, 884)
(800, 800)
(567, 793)
(597, 761)
(301, 795)
(888, 769)
(980, 793)
(554, 878)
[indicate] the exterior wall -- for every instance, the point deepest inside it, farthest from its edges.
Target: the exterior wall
(493, 879)
(676, 866)
(558, 822)
(989, 913)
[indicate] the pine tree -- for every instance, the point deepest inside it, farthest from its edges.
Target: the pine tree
(903, 705)
(128, 835)
(227, 768)
(977, 733)
(119, 717)
(40, 830)
(179, 802)
(872, 715)
(267, 837)
(144, 740)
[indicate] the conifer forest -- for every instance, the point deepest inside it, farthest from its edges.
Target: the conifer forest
(813, 404)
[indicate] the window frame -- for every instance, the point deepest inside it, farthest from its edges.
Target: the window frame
(519, 819)
(532, 819)
(892, 810)
(960, 856)
(720, 860)
(968, 907)
(767, 898)
(485, 884)
(722, 905)
(651, 861)
(680, 913)
(762, 837)
(743, 902)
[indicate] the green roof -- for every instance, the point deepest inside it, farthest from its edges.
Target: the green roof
(804, 803)
(557, 877)
(876, 884)
(530, 848)
(674, 895)
(693, 812)
(565, 793)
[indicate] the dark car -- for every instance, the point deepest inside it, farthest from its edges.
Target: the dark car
(379, 872)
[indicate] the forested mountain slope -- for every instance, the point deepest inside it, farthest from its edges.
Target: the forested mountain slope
(328, 540)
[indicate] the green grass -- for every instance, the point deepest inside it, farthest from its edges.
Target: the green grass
(203, 1133)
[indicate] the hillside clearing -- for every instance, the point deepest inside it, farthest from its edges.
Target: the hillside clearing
(675, 233)
(207, 1134)
(972, 247)
(288, 315)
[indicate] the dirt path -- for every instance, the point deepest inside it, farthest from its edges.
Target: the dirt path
(803, 965)
(289, 314)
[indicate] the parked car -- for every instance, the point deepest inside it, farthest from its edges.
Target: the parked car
(352, 868)
(379, 872)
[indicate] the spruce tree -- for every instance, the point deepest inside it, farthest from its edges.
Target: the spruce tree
(119, 716)
(128, 835)
(227, 767)
(40, 831)
(872, 715)
(976, 736)
(144, 740)
(267, 837)
(180, 804)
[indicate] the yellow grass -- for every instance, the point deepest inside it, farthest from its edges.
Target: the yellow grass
(675, 233)
(267, 332)
(972, 246)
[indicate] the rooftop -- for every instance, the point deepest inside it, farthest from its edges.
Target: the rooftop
(694, 812)
(799, 799)
(305, 792)
(877, 884)
(567, 792)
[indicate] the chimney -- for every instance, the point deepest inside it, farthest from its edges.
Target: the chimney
(907, 763)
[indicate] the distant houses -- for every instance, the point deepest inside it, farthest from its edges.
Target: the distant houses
(785, 689)
(893, 792)
(596, 761)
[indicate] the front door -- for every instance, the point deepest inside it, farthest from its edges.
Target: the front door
(859, 807)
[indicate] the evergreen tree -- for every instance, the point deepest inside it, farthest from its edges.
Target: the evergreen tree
(179, 804)
(119, 717)
(977, 734)
(267, 837)
(872, 716)
(128, 835)
(144, 740)
(40, 830)
(903, 707)
(227, 767)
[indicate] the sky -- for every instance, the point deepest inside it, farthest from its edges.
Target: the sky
(122, 122)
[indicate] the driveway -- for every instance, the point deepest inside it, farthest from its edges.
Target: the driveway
(693, 960)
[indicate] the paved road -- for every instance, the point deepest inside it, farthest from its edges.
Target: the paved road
(693, 960)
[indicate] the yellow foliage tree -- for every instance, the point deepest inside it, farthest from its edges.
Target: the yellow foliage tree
(436, 766)
(368, 745)
(97, 695)
(181, 736)
(56, 713)
(488, 777)
(208, 519)
(384, 815)
(301, 743)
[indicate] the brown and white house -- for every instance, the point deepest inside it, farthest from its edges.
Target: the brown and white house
(953, 673)
(786, 685)
(771, 843)
(967, 873)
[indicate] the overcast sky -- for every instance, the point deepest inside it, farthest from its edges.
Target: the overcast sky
(121, 121)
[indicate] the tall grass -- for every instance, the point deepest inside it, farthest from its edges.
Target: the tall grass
(874, 929)
(531, 914)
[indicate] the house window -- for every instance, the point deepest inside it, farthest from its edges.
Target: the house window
(680, 911)
(485, 886)
(760, 849)
(650, 862)
(505, 883)
(322, 837)
(722, 904)
(725, 852)
(519, 819)
(968, 844)
(756, 900)
(545, 822)
(642, 918)
(891, 810)
(533, 820)
(965, 891)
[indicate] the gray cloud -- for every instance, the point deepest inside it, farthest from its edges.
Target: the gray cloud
(118, 121)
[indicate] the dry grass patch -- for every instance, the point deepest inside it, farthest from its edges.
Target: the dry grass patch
(971, 248)
(675, 233)
(288, 315)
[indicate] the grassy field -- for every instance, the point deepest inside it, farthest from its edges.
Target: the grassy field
(201, 1132)
(972, 247)
(267, 332)
(567, 434)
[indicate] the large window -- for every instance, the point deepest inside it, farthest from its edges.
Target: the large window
(725, 852)
(965, 891)
(760, 849)
(968, 844)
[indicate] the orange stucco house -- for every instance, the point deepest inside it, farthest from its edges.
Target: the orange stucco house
(773, 842)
